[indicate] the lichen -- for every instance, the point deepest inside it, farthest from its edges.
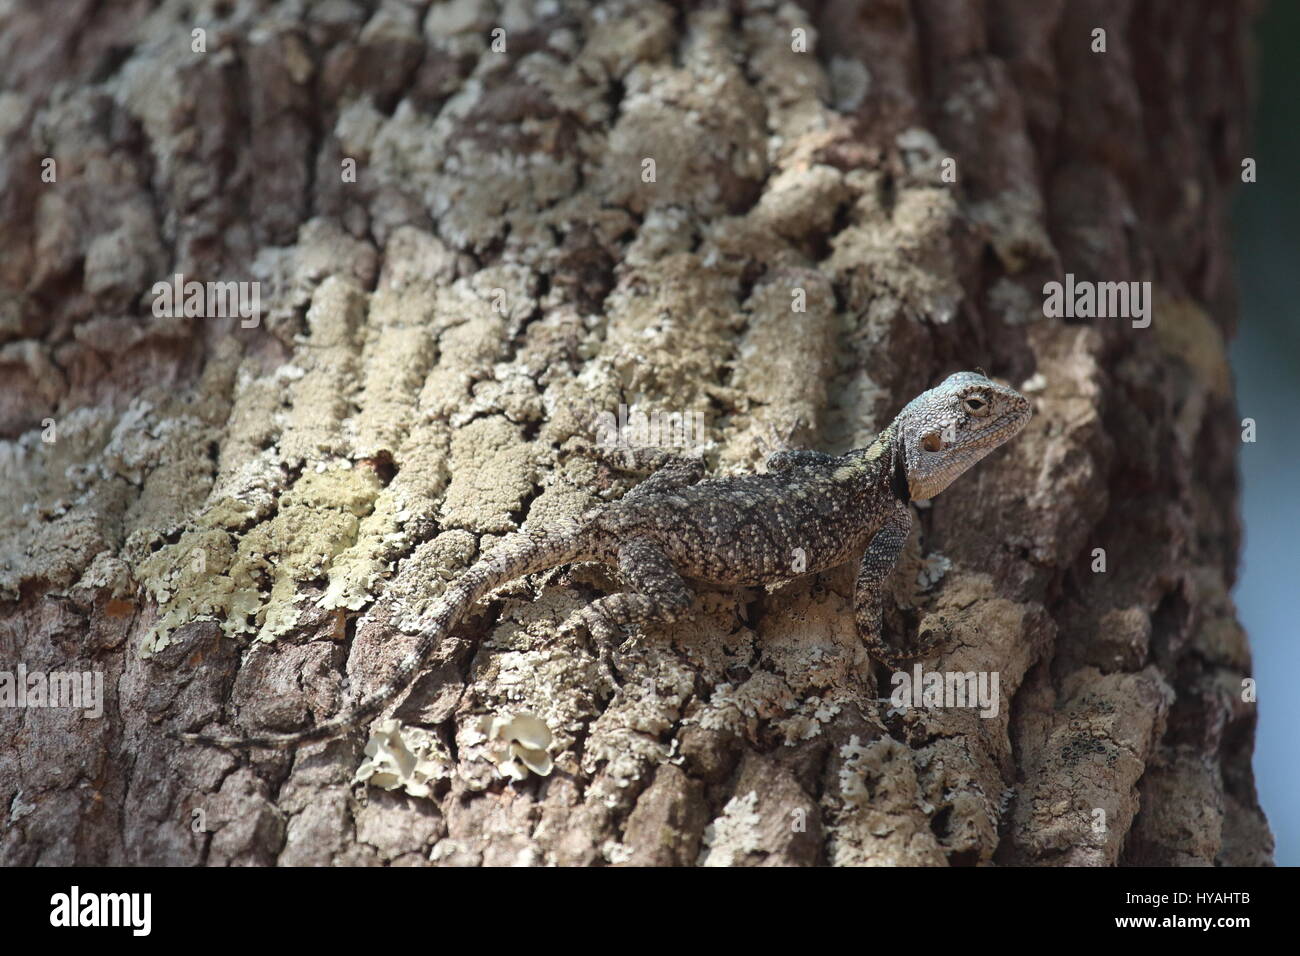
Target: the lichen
(518, 744)
(250, 583)
(409, 758)
(734, 834)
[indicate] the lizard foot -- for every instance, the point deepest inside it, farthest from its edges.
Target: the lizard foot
(590, 622)
(929, 647)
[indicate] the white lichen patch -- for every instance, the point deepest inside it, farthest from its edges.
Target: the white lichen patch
(933, 567)
(876, 774)
(517, 744)
(807, 722)
(406, 758)
(733, 835)
(615, 852)
(18, 809)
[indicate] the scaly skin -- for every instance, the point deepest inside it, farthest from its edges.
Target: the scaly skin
(808, 513)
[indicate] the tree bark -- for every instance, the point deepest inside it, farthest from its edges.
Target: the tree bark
(237, 525)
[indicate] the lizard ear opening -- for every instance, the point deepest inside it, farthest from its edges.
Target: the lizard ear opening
(932, 442)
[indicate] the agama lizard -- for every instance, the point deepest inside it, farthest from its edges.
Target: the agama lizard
(809, 512)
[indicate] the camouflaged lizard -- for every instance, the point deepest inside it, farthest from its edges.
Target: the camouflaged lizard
(810, 511)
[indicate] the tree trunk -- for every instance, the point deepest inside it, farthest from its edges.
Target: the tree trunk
(236, 521)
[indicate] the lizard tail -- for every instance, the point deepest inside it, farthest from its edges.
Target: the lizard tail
(532, 551)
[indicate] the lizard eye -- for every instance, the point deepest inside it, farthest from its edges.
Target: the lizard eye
(932, 442)
(977, 406)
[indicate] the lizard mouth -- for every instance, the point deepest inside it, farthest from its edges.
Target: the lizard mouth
(1013, 421)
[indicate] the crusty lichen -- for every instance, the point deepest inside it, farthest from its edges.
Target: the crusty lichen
(250, 582)
(733, 834)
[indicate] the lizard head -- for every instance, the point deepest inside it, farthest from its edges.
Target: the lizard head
(952, 426)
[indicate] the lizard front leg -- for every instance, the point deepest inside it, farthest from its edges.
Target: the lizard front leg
(868, 598)
(658, 595)
(673, 473)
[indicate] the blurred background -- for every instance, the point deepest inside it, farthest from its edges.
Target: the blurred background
(1266, 362)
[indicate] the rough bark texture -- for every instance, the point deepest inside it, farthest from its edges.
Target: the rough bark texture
(232, 524)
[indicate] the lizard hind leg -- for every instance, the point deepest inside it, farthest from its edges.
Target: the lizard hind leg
(659, 595)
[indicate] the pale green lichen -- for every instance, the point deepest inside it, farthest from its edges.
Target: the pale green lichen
(210, 574)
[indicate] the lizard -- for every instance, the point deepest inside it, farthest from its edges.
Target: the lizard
(675, 531)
